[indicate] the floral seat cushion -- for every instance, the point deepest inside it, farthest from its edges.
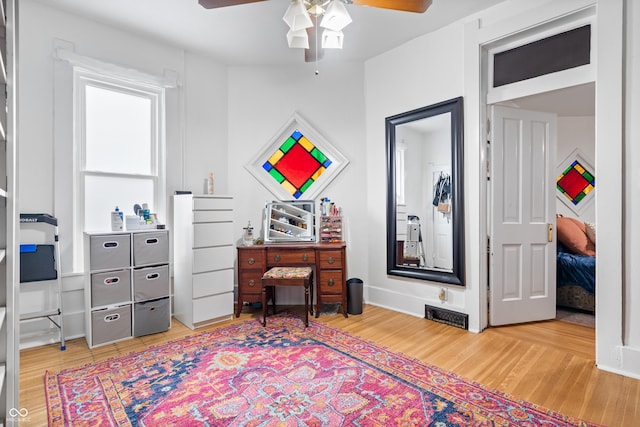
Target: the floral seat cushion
(288, 273)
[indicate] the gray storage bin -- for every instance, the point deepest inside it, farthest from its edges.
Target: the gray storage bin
(151, 282)
(150, 248)
(110, 288)
(110, 251)
(151, 317)
(111, 324)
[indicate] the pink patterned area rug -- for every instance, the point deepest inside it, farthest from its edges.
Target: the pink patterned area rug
(281, 375)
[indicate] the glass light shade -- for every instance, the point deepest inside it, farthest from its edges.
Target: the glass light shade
(316, 10)
(332, 39)
(297, 16)
(298, 39)
(336, 17)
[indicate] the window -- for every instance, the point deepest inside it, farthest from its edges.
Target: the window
(560, 52)
(119, 148)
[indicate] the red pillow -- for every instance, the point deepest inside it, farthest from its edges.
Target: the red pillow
(572, 234)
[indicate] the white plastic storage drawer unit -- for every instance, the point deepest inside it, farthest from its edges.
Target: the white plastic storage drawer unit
(203, 258)
(124, 272)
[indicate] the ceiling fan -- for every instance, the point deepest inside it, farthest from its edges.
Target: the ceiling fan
(306, 37)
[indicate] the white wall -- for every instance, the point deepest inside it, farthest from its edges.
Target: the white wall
(631, 202)
(577, 132)
(262, 100)
(424, 71)
(196, 120)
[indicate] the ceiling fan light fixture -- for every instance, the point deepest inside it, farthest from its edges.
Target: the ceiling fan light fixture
(332, 39)
(297, 16)
(298, 39)
(336, 17)
(316, 9)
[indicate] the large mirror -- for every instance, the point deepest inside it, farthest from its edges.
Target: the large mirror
(425, 218)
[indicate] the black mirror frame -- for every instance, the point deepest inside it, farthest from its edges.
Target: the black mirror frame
(456, 277)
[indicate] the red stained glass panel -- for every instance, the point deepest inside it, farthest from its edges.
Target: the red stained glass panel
(573, 183)
(297, 165)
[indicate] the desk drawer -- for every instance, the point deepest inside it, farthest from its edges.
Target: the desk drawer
(330, 259)
(250, 281)
(330, 282)
(278, 257)
(250, 258)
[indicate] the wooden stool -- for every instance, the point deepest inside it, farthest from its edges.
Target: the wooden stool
(286, 276)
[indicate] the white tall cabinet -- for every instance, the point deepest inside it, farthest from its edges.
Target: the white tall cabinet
(203, 258)
(9, 230)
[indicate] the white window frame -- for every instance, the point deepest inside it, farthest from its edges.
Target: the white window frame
(156, 94)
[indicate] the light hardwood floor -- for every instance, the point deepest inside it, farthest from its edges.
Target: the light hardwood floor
(548, 363)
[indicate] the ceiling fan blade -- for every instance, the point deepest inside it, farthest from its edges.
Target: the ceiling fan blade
(213, 4)
(418, 6)
(315, 51)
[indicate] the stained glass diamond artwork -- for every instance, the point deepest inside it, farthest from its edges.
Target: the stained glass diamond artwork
(297, 162)
(576, 181)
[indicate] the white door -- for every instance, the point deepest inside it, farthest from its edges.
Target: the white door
(522, 276)
(442, 228)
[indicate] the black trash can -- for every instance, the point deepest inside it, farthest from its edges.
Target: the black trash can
(354, 296)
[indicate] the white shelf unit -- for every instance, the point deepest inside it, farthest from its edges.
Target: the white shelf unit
(203, 259)
(290, 222)
(9, 229)
(127, 287)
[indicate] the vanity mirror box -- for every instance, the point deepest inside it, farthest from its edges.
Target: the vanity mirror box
(292, 221)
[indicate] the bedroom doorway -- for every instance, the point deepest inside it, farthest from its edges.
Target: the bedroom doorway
(522, 78)
(608, 65)
(574, 108)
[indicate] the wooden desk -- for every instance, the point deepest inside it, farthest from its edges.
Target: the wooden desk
(327, 259)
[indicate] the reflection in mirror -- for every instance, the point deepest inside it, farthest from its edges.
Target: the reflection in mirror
(424, 201)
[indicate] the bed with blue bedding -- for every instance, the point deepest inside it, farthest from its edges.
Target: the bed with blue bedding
(575, 280)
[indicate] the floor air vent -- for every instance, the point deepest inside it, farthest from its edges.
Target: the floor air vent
(448, 317)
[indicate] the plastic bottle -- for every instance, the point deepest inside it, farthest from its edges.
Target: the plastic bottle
(117, 223)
